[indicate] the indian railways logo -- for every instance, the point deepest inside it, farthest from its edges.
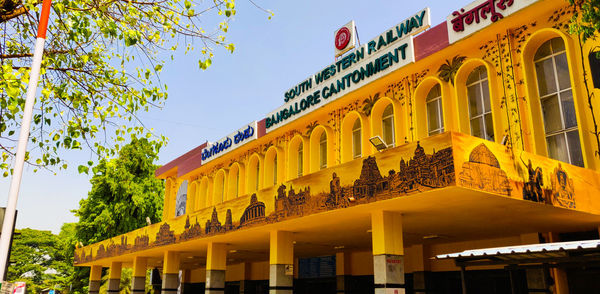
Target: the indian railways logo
(342, 38)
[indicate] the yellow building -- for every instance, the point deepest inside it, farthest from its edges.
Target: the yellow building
(425, 141)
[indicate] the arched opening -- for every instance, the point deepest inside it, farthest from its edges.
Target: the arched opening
(219, 184)
(203, 199)
(556, 102)
(253, 174)
(476, 100)
(321, 149)
(168, 202)
(354, 135)
(192, 197)
(356, 139)
(296, 157)
(435, 113)
(181, 199)
(480, 108)
(273, 167)
(236, 181)
(384, 122)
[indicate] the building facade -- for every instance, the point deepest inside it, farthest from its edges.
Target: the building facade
(489, 130)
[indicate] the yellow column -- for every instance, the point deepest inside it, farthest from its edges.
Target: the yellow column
(114, 280)
(95, 277)
(216, 263)
(281, 263)
(170, 281)
(419, 256)
(388, 252)
(138, 279)
(342, 270)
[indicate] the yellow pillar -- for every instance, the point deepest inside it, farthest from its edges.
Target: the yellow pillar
(95, 277)
(419, 255)
(281, 263)
(216, 263)
(388, 252)
(170, 281)
(342, 271)
(114, 280)
(138, 279)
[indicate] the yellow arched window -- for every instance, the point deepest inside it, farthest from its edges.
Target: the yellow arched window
(235, 178)
(480, 109)
(435, 114)
(219, 187)
(253, 174)
(203, 199)
(300, 164)
(556, 100)
(387, 126)
(356, 139)
(272, 168)
(323, 150)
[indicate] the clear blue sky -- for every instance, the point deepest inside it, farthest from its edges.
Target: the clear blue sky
(270, 57)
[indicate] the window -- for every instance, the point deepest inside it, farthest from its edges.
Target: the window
(300, 166)
(556, 100)
(236, 189)
(480, 109)
(275, 170)
(323, 151)
(356, 140)
(435, 116)
(257, 174)
(387, 122)
(222, 188)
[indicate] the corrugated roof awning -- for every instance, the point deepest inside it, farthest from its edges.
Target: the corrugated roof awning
(545, 253)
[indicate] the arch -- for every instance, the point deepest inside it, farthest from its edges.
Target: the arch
(317, 152)
(422, 92)
(348, 124)
(167, 200)
(273, 167)
(236, 181)
(254, 173)
(298, 157)
(399, 128)
(203, 199)
(498, 120)
(533, 119)
(219, 187)
(192, 197)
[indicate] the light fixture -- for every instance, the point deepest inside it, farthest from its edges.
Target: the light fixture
(378, 143)
(339, 247)
(429, 237)
(232, 251)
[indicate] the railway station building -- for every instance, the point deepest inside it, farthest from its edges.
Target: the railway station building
(459, 157)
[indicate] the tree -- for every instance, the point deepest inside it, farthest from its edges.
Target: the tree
(91, 89)
(124, 192)
(586, 18)
(37, 258)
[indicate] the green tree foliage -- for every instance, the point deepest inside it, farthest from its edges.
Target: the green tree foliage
(586, 18)
(100, 69)
(39, 258)
(124, 192)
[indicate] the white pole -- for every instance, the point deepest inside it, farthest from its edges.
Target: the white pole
(15, 184)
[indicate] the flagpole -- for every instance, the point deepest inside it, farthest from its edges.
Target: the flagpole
(13, 194)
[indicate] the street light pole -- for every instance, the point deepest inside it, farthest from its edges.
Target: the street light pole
(15, 184)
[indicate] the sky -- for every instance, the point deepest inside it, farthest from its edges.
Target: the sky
(270, 57)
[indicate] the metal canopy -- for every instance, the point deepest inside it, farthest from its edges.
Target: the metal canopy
(547, 253)
(559, 254)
